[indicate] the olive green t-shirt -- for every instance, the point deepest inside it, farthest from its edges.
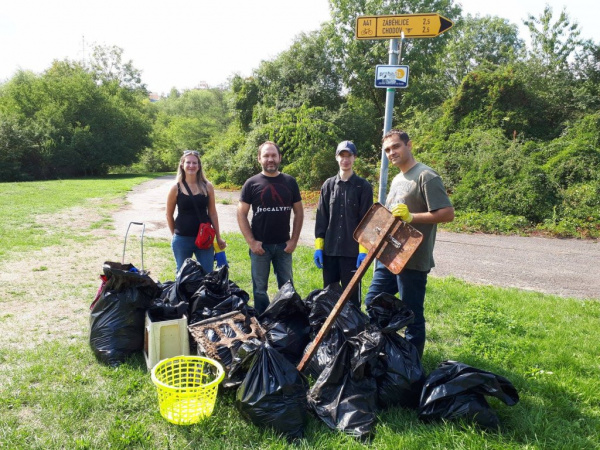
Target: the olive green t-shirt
(422, 190)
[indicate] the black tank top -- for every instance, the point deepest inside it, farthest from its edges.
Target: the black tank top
(187, 221)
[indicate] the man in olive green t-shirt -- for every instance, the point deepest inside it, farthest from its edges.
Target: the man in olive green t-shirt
(418, 196)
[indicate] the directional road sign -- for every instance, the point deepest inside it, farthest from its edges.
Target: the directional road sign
(391, 76)
(391, 27)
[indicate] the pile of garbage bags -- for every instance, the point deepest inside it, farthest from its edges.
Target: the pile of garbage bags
(362, 366)
(118, 312)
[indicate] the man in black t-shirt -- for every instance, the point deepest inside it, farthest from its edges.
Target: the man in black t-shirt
(273, 196)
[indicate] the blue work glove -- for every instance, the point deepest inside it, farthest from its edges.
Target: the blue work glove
(221, 259)
(360, 258)
(318, 257)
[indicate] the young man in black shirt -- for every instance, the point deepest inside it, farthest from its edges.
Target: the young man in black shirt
(343, 202)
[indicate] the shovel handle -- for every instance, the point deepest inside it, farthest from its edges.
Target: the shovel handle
(337, 309)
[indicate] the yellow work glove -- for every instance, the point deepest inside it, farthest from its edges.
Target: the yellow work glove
(319, 244)
(401, 210)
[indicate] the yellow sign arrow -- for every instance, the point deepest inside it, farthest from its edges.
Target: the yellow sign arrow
(391, 27)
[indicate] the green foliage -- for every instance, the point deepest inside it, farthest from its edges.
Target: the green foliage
(500, 99)
(245, 96)
(17, 146)
(492, 222)
(553, 43)
(506, 182)
(305, 74)
(234, 160)
(307, 140)
(575, 156)
(479, 41)
(578, 214)
(188, 120)
(108, 67)
(70, 124)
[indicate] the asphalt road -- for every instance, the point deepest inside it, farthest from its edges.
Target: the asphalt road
(564, 267)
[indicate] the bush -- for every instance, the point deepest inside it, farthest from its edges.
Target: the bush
(487, 222)
(578, 214)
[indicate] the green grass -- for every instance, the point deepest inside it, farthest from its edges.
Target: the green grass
(22, 203)
(58, 396)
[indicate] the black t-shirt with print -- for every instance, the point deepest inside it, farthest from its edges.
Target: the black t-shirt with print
(272, 199)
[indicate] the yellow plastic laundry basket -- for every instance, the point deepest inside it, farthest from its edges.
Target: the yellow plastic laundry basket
(187, 387)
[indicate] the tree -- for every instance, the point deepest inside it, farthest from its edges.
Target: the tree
(305, 74)
(479, 41)
(553, 43)
(108, 67)
(188, 120)
(18, 152)
(78, 127)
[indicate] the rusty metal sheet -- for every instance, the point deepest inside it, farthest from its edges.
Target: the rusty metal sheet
(229, 330)
(401, 240)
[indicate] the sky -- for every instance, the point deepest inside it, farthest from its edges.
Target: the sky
(184, 43)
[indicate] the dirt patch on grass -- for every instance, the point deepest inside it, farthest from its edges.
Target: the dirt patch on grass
(45, 294)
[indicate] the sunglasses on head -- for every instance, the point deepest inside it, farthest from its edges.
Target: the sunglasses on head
(191, 152)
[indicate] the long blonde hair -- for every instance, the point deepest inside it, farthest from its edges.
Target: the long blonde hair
(200, 177)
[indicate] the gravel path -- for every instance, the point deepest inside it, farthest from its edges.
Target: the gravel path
(565, 267)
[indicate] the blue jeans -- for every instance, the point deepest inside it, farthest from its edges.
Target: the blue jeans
(261, 267)
(411, 286)
(184, 247)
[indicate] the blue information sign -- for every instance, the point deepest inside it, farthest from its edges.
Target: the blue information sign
(391, 76)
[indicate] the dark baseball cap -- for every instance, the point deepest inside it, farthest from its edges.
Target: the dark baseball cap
(346, 146)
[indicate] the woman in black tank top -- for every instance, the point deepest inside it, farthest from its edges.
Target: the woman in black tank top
(184, 227)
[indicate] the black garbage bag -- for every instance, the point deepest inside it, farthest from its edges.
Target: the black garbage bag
(189, 279)
(286, 323)
(217, 295)
(388, 313)
(230, 304)
(402, 381)
(242, 360)
(117, 318)
(329, 347)
(273, 393)
(161, 309)
(321, 302)
(457, 391)
(344, 395)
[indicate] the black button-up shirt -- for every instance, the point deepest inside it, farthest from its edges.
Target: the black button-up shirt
(342, 205)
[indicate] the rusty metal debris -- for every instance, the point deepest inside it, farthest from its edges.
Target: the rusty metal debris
(225, 332)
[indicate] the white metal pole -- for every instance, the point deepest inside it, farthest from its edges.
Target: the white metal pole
(387, 124)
